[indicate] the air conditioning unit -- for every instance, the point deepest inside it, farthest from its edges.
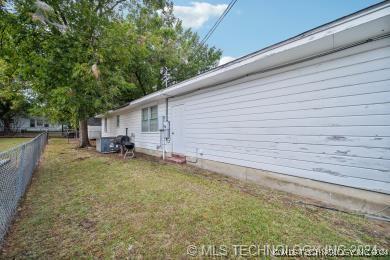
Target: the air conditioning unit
(103, 144)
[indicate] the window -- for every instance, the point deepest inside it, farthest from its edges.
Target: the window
(153, 119)
(150, 119)
(32, 122)
(39, 122)
(145, 120)
(105, 124)
(118, 121)
(46, 124)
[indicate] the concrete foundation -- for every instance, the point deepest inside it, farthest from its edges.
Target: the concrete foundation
(341, 197)
(148, 151)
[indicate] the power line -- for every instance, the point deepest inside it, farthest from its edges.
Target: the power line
(211, 31)
(166, 77)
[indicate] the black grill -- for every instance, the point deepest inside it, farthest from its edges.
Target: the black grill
(123, 144)
(128, 145)
(121, 139)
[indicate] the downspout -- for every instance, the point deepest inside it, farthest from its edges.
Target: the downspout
(166, 108)
(164, 131)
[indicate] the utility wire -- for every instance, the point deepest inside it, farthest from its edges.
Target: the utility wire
(211, 31)
(202, 42)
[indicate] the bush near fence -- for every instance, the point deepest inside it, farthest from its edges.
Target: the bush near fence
(16, 168)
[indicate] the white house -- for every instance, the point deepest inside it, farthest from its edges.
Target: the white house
(94, 128)
(309, 115)
(32, 124)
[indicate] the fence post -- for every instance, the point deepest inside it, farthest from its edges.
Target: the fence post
(21, 172)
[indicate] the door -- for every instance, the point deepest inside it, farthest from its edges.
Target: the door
(177, 138)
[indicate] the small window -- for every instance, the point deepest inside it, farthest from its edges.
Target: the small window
(39, 122)
(145, 120)
(105, 124)
(46, 124)
(153, 119)
(150, 119)
(32, 122)
(118, 122)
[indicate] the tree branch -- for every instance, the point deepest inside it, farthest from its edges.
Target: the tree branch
(140, 82)
(2, 36)
(109, 9)
(61, 15)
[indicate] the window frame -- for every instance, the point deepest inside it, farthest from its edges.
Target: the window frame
(118, 120)
(153, 119)
(143, 120)
(39, 122)
(150, 120)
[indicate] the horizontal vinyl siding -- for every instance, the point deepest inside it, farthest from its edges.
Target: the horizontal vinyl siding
(327, 119)
(24, 124)
(132, 121)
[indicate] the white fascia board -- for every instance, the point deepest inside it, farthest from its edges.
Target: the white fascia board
(363, 25)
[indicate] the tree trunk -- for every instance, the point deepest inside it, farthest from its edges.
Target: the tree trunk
(83, 137)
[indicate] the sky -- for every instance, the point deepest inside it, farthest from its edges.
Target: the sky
(255, 24)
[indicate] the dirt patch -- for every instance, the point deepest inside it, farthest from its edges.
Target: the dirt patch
(88, 224)
(81, 158)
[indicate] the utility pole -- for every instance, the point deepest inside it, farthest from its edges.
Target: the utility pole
(166, 76)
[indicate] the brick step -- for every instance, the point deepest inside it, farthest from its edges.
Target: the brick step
(176, 159)
(177, 155)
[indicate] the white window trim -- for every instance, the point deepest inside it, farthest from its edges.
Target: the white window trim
(118, 121)
(149, 108)
(39, 122)
(35, 123)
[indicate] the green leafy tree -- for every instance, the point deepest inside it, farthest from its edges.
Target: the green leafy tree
(149, 40)
(62, 62)
(13, 104)
(84, 57)
(14, 98)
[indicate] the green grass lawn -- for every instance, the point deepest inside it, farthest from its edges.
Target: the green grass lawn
(82, 204)
(8, 143)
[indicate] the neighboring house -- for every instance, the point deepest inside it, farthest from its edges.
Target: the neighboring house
(94, 128)
(33, 124)
(309, 115)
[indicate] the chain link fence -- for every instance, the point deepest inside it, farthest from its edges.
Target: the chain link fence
(16, 168)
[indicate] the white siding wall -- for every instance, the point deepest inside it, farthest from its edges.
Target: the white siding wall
(132, 121)
(327, 119)
(24, 124)
(94, 131)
